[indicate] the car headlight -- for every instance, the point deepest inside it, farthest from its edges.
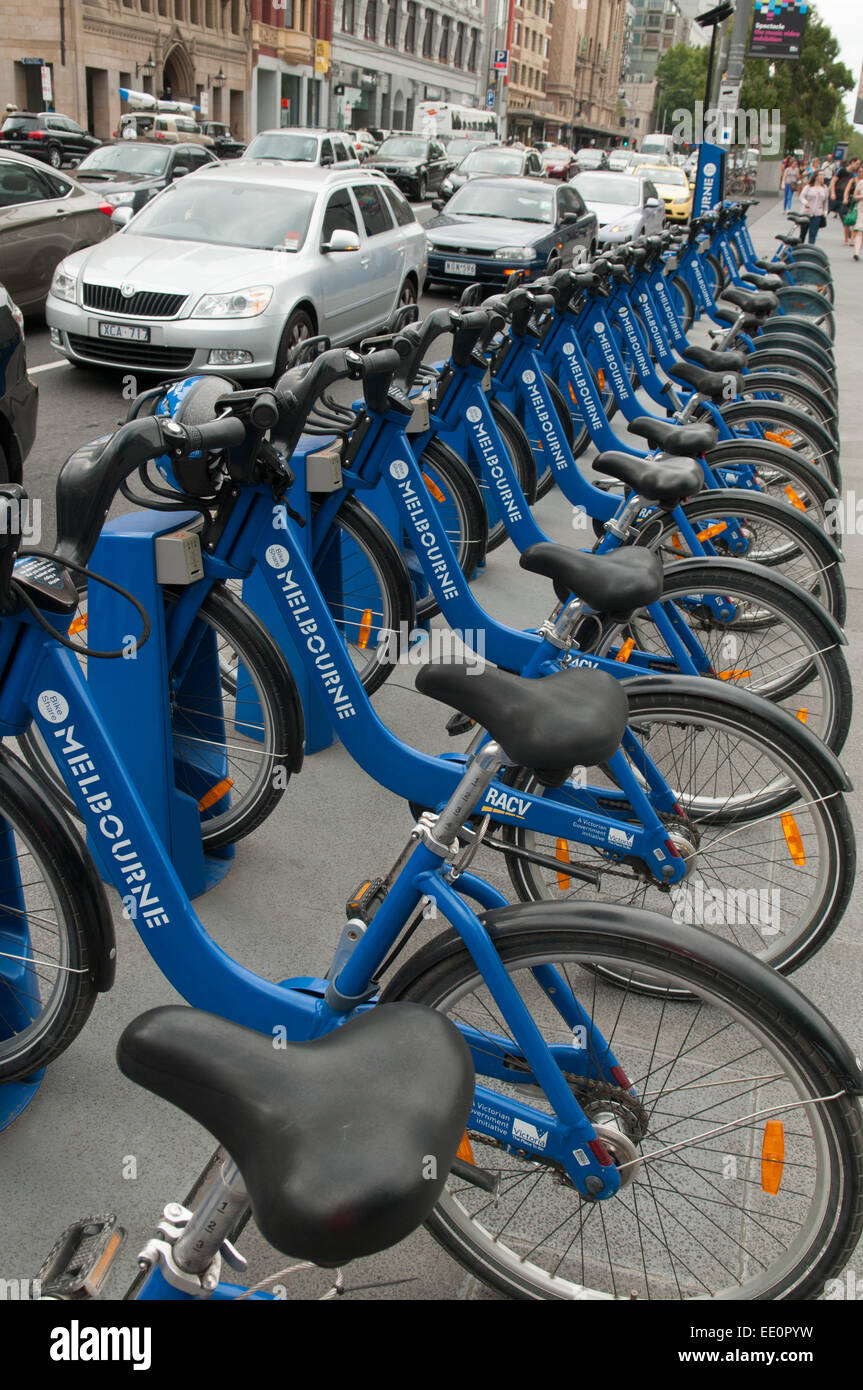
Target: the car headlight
(64, 285)
(118, 200)
(239, 304)
(681, 202)
(515, 253)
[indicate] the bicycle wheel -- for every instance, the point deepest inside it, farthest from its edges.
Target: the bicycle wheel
(781, 424)
(811, 352)
(793, 394)
(815, 277)
(367, 588)
(521, 456)
(698, 1217)
(780, 473)
(50, 895)
(458, 502)
(761, 826)
(236, 720)
(797, 365)
(808, 303)
(774, 644)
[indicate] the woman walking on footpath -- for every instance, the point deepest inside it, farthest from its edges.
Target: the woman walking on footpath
(843, 176)
(853, 217)
(790, 182)
(814, 197)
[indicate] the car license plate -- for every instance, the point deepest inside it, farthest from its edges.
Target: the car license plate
(459, 267)
(129, 332)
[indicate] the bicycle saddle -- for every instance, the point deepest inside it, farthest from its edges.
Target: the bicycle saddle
(332, 1137)
(787, 240)
(773, 267)
(716, 360)
(616, 583)
(686, 441)
(573, 718)
(717, 386)
(666, 481)
(762, 282)
(801, 218)
(753, 301)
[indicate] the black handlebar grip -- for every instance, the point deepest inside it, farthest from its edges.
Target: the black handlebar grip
(225, 433)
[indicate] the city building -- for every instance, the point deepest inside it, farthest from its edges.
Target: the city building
(531, 111)
(390, 55)
(291, 56)
(657, 25)
(189, 50)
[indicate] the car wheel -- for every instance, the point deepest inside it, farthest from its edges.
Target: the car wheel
(408, 293)
(423, 188)
(298, 327)
(55, 156)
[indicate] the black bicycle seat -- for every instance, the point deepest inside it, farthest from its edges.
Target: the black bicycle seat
(773, 267)
(332, 1137)
(686, 441)
(787, 240)
(615, 583)
(666, 481)
(768, 282)
(573, 718)
(801, 218)
(753, 301)
(716, 359)
(716, 386)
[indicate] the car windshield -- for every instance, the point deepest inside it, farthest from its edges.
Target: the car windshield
(502, 200)
(492, 162)
(457, 149)
(402, 149)
(637, 159)
(128, 158)
(663, 175)
(19, 123)
(589, 157)
(608, 188)
(301, 148)
(554, 153)
(228, 214)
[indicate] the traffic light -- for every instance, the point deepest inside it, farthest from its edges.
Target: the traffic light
(626, 144)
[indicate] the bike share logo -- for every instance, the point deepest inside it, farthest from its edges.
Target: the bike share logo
(568, 349)
(486, 446)
(399, 469)
(52, 706)
(276, 556)
(611, 361)
(474, 414)
(528, 377)
(620, 838)
(545, 420)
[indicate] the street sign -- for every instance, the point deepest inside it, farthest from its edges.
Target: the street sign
(501, 59)
(33, 62)
(489, 97)
(47, 94)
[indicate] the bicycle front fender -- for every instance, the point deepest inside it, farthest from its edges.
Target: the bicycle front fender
(678, 569)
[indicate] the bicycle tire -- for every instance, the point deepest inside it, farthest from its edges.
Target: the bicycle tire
(505, 1244)
(797, 365)
(460, 504)
(719, 825)
(801, 326)
(71, 892)
(794, 395)
(270, 688)
(810, 304)
(755, 661)
(801, 432)
(815, 277)
(783, 475)
(801, 347)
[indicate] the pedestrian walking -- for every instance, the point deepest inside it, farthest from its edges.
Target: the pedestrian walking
(790, 182)
(853, 204)
(814, 198)
(845, 173)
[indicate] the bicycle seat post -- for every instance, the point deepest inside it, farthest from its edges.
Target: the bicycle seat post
(189, 1246)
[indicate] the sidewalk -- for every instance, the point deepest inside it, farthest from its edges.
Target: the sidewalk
(280, 911)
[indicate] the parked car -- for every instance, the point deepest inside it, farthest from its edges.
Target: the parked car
(502, 160)
(618, 160)
(591, 157)
(364, 142)
(559, 162)
(156, 125)
(19, 396)
(44, 216)
(459, 146)
(494, 228)
(674, 189)
(625, 204)
(224, 144)
(131, 172)
(297, 145)
(637, 159)
(416, 165)
(47, 136)
(227, 270)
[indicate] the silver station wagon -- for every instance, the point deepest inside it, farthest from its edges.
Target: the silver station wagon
(230, 267)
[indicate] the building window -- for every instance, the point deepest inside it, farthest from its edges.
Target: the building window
(371, 28)
(235, 16)
(443, 51)
(428, 35)
(348, 16)
(392, 23)
(458, 56)
(411, 29)
(514, 73)
(474, 50)
(543, 80)
(516, 34)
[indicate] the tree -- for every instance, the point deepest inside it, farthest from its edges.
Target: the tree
(808, 90)
(681, 73)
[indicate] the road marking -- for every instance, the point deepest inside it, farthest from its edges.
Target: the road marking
(47, 367)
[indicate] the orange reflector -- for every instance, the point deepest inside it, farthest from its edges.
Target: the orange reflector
(433, 488)
(572, 394)
(464, 1150)
(733, 675)
(677, 543)
(779, 437)
(215, 794)
(78, 624)
(803, 715)
(600, 376)
(626, 650)
(365, 628)
(772, 1156)
(562, 854)
(794, 498)
(793, 839)
(715, 530)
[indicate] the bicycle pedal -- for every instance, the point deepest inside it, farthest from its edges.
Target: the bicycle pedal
(459, 724)
(78, 1265)
(365, 902)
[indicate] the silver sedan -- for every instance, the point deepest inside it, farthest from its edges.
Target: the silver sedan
(231, 267)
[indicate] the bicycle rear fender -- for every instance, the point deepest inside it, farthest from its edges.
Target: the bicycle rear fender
(756, 705)
(728, 451)
(72, 858)
(778, 581)
(740, 497)
(651, 929)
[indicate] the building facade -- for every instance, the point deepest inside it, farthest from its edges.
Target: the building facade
(530, 108)
(178, 49)
(390, 55)
(657, 26)
(291, 56)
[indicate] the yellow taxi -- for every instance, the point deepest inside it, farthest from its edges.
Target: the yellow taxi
(674, 189)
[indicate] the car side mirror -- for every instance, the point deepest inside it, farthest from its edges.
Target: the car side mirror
(180, 170)
(653, 203)
(438, 203)
(569, 217)
(120, 216)
(341, 240)
(327, 159)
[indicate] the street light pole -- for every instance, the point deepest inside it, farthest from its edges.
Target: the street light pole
(710, 20)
